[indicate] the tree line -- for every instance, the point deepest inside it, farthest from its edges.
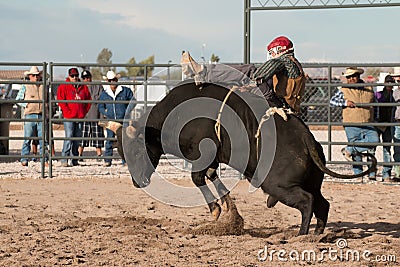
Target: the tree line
(104, 57)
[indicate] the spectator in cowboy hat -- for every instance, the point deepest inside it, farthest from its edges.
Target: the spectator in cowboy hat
(31, 111)
(396, 74)
(114, 110)
(347, 98)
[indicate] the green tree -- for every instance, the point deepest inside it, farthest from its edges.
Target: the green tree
(139, 71)
(149, 60)
(123, 73)
(132, 71)
(104, 57)
(96, 73)
(214, 58)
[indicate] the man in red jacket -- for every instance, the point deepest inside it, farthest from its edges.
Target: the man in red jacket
(72, 110)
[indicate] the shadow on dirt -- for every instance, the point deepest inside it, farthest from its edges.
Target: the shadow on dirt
(368, 229)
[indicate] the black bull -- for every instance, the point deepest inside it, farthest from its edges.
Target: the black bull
(285, 161)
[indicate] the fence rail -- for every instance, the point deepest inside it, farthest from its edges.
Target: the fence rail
(325, 78)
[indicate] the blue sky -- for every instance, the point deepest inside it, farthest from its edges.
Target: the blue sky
(76, 31)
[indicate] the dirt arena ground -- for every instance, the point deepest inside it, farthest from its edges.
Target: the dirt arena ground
(102, 220)
(93, 216)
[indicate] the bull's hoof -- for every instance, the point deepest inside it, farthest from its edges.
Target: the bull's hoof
(216, 212)
(226, 202)
(225, 205)
(271, 202)
(318, 231)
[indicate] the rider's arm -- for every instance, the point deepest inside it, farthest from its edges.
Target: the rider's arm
(268, 69)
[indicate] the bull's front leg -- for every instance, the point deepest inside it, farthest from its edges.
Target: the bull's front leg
(199, 179)
(223, 192)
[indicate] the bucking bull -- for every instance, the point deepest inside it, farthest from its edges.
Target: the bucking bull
(280, 155)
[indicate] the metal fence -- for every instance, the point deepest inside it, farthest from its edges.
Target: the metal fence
(324, 79)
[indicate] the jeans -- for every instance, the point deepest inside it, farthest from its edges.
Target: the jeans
(396, 139)
(387, 137)
(362, 134)
(70, 147)
(30, 127)
(396, 155)
(109, 145)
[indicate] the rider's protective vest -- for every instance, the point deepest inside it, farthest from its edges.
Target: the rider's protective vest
(292, 89)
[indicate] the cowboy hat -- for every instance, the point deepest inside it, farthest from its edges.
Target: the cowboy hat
(111, 75)
(352, 70)
(396, 72)
(33, 70)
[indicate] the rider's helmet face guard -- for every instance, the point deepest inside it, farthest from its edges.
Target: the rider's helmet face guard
(279, 46)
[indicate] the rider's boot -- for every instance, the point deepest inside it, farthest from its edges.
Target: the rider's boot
(192, 69)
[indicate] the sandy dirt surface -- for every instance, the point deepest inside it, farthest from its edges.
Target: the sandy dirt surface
(102, 220)
(93, 216)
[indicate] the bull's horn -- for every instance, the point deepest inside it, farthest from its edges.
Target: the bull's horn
(111, 125)
(131, 131)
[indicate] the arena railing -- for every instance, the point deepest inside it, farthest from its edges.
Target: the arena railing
(53, 72)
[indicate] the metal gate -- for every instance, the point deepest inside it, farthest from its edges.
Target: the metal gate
(324, 120)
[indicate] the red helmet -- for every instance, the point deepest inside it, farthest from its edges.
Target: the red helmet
(279, 45)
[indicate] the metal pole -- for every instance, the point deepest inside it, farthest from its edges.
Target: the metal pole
(145, 89)
(169, 76)
(329, 114)
(50, 129)
(44, 119)
(246, 33)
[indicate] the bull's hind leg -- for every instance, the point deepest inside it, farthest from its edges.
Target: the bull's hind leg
(297, 198)
(199, 180)
(321, 210)
(222, 191)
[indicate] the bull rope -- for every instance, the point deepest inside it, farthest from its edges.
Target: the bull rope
(218, 123)
(270, 112)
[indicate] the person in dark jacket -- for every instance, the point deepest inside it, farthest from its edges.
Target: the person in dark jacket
(385, 114)
(114, 110)
(396, 135)
(91, 129)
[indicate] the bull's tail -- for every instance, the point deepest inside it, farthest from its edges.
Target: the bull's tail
(311, 145)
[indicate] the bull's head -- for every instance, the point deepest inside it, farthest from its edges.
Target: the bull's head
(142, 157)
